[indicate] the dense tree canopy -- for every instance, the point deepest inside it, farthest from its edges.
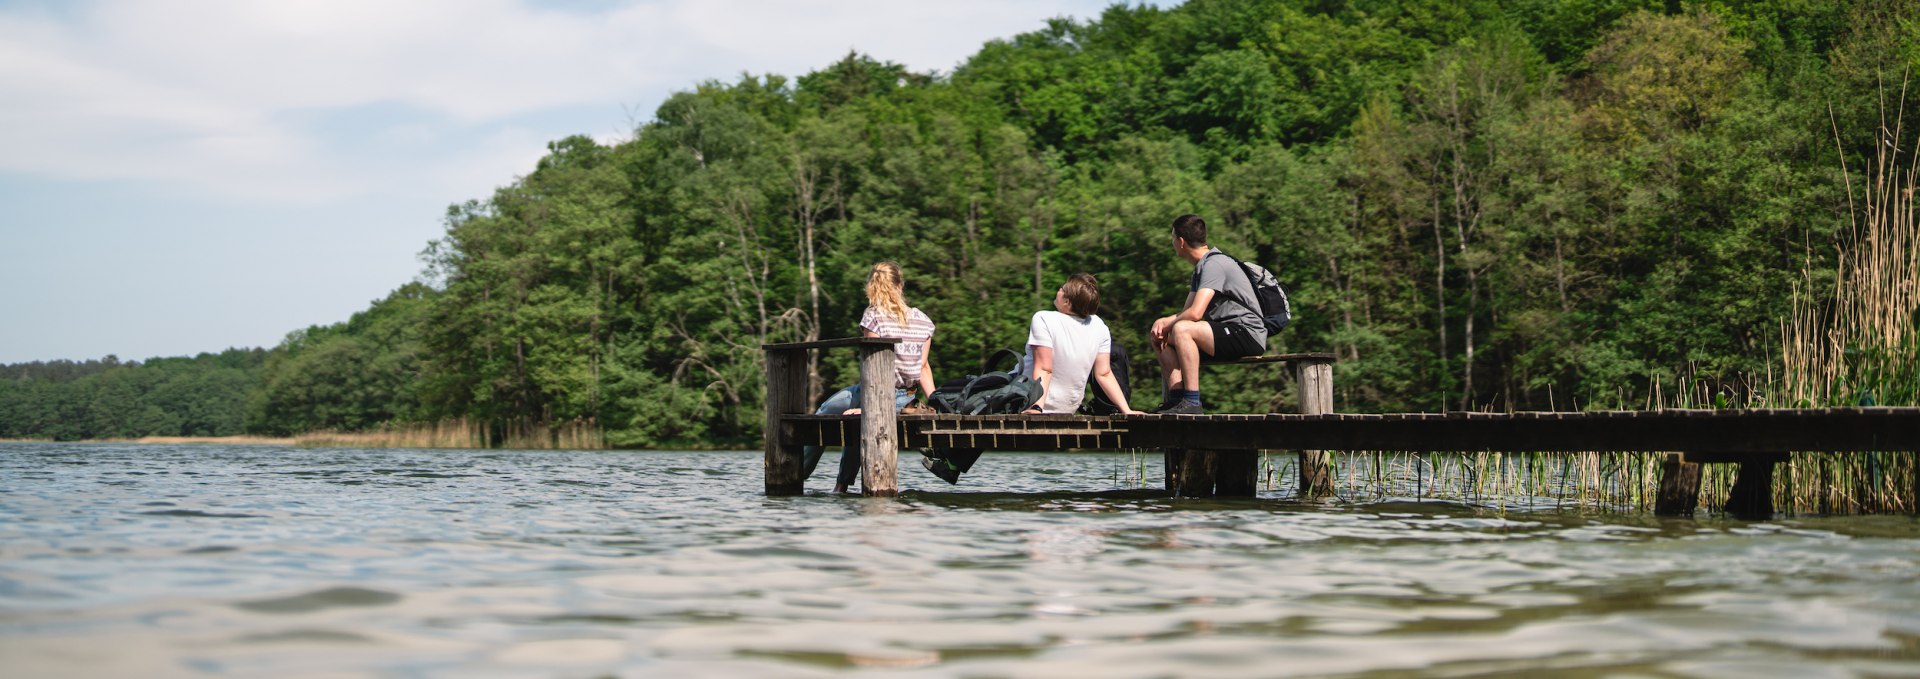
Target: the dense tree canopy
(1505, 205)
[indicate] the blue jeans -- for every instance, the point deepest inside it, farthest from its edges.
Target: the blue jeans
(841, 401)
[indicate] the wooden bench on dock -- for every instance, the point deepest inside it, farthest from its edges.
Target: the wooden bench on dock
(1217, 455)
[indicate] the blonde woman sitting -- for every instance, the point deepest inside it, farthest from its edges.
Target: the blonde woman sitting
(887, 315)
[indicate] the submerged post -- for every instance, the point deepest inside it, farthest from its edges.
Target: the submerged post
(1679, 487)
(1236, 473)
(879, 445)
(1752, 494)
(1196, 474)
(786, 394)
(1316, 398)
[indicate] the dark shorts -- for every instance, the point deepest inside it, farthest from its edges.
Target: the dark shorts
(1230, 342)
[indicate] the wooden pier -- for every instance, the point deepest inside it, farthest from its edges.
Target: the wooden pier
(1217, 455)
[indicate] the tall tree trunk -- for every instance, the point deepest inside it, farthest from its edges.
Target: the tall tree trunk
(1466, 369)
(1440, 293)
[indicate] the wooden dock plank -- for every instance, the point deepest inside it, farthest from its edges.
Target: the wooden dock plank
(1721, 436)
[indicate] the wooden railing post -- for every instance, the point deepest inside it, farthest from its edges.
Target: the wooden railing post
(1316, 398)
(786, 394)
(879, 444)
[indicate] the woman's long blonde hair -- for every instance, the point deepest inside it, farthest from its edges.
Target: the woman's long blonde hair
(886, 290)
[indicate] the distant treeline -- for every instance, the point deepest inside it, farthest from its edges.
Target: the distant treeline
(1483, 204)
(201, 396)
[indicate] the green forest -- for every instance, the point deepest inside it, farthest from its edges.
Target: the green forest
(1478, 205)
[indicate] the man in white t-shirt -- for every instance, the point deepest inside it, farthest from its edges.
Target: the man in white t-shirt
(1065, 347)
(1068, 345)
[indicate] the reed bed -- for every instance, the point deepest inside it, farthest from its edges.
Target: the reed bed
(1500, 481)
(582, 434)
(1860, 345)
(219, 440)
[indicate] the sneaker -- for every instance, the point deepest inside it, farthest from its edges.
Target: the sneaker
(1181, 408)
(941, 468)
(1167, 400)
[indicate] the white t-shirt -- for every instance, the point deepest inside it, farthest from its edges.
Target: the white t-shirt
(1075, 342)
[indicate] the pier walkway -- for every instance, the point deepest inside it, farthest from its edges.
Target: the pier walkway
(1217, 455)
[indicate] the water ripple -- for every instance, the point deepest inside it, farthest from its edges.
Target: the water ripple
(120, 560)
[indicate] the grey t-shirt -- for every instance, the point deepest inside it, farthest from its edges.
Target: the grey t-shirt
(1230, 286)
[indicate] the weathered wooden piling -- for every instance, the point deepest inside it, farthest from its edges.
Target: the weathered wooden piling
(1679, 487)
(786, 366)
(879, 438)
(1752, 494)
(1196, 473)
(786, 395)
(1315, 383)
(1236, 473)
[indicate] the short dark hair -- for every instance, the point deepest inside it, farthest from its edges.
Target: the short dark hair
(1083, 294)
(1192, 228)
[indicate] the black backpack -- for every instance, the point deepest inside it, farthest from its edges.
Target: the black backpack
(1269, 296)
(992, 392)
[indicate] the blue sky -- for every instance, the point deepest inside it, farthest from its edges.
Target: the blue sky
(179, 176)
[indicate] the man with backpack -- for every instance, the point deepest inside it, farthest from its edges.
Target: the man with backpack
(1221, 321)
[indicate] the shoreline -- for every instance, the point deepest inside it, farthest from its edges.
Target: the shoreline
(222, 440)
(333, 441)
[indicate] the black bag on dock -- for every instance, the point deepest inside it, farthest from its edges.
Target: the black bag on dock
(992, 392)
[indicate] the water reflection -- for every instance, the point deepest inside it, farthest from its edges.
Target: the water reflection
(196, 561)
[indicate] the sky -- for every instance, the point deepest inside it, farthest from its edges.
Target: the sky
(183, 176)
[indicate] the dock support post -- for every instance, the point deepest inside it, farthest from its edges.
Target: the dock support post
(1679, 487)
(1316, 398)
(786, 394)
(1176, 462)
(1196, 473)
(1752, 494)
(1236, 472)
(879, 447)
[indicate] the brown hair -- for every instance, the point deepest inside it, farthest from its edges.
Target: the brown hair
(1083, 294)
(886, 290)
(1192, 228)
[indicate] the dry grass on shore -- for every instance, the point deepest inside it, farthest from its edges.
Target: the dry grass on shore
(463, 433)
(453, 433)
(224, 440)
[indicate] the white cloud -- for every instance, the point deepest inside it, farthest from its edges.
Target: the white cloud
(221, 95)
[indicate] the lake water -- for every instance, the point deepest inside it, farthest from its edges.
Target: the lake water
(162, 561)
